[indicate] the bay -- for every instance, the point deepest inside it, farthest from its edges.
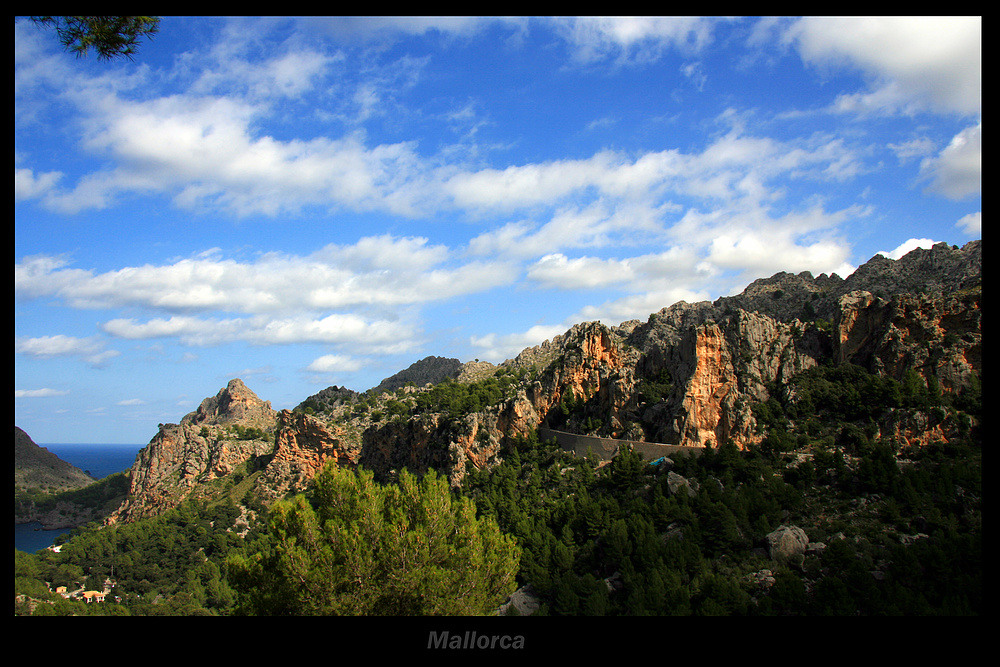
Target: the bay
(30, 537)
(98, 460)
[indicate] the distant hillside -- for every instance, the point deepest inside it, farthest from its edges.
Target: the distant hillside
(428, 369)
(39, 469)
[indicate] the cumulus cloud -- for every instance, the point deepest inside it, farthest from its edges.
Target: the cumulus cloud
(957, 172)
(203, 152)
(28, 185)
(765, 254)
(639, 306)
(91, 349)
(697, 215)
(609, 199)
(917, 147)
(499, 348)
(556, 270)
(337, 328)
(907, 246)
(913, 63)
(654, 297)
(971, 224)
(734, 165)
(382, 28)
(131, 401)
(634, 39)
(645, 272)
(334, 363)
(379, 272)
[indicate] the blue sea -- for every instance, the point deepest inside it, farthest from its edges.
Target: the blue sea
(97, 460)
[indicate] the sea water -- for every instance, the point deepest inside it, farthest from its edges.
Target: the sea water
(97, 460)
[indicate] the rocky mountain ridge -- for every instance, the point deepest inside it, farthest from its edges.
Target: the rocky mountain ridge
(690, 375)
(223, 434)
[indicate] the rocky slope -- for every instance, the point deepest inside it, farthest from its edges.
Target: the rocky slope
(225, 432)
(428, 370)
(689, 375)
(37, 468)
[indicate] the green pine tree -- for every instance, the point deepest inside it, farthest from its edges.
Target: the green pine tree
(358, 547)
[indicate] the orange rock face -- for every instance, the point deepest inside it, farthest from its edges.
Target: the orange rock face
(705, 403)
(303, 445)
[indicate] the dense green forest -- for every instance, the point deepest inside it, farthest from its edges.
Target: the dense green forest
(893, 530)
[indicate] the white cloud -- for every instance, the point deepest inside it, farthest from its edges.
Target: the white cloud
(957, 172)
(369, 28)
(642, 273)
(39, 393)
(91, 349)
(375, 272)
(633, 306)
(914, 148)
(499, 348)
(334, 363)
(29, 186)
(131, 401)
(753, 241)
(639, 306)
(383, 335)
(907, 246)
(238, 60)
(733, 166)
(765, 254)
(913, 62)
(527, 185)
(204, 152)
(971, 224)
(558, 271)
(632, 39)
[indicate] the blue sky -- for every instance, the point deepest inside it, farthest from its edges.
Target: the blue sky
(303, 202)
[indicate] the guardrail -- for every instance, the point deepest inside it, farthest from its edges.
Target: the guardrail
(606, 449)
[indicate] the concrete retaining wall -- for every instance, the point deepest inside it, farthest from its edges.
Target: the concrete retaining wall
(605, 449)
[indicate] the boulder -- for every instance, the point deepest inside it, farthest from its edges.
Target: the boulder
(675, 482)
(787, 542)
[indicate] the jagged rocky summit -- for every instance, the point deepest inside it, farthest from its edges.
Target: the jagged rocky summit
(430, 370)
(224, 433)
(689, 375)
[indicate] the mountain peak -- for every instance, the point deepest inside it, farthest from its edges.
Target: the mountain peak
(235, 402)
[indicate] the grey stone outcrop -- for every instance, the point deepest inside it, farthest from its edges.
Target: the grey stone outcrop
(787, 542)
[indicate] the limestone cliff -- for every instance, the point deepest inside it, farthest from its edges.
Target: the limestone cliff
(224, 432)
(303, 445)
(939, 336)
(689, 375)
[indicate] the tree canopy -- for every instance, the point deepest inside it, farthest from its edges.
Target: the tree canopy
(357, 547)
(110, 36)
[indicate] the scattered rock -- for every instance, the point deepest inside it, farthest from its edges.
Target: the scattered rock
(763, 578)
(522, 602)
(787, 542)
(675, 482)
